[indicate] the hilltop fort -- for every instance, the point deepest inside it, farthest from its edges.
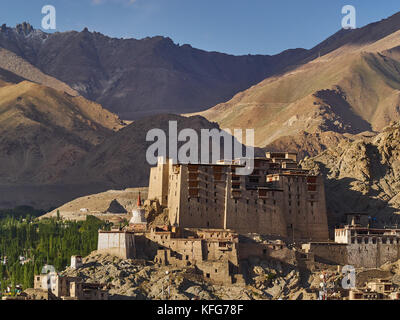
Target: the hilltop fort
(213, 213)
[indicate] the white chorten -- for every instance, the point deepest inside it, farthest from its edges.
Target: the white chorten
(138, 214)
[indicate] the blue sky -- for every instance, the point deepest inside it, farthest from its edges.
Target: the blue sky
(231, 26)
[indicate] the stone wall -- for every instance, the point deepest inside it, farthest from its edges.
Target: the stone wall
(265, 252)
(329, 253)
(372, 255)
(358, 255)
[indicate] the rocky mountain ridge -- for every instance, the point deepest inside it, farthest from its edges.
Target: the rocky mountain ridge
(136, 78)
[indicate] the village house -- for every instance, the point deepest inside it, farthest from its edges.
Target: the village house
(60, 287)
(376, 290)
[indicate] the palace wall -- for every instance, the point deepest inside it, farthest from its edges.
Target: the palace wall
(118, 243)
(368, 255)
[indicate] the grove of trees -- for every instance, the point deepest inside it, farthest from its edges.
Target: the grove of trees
(40, 242)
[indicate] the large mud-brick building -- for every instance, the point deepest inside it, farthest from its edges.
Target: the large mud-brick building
(278, 198)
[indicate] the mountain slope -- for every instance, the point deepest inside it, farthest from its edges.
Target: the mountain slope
(43, 131)
(120, 162)
(352, 89)
(49, 160)
(135, 78)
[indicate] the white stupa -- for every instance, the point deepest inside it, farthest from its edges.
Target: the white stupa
(138, 214)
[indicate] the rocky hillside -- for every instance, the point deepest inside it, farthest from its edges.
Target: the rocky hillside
(134, 78)
(362, 176)
(351, 87)
(265, 280)
(141, 280)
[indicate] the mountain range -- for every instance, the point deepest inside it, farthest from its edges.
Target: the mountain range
(75, 106)
(137, 78)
